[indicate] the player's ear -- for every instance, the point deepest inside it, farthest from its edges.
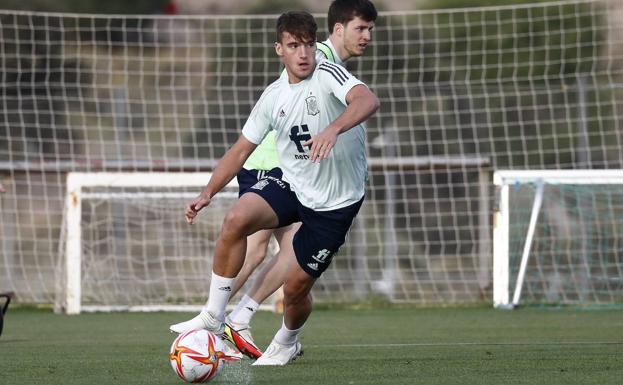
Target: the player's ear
(338, 29)
(278, 48)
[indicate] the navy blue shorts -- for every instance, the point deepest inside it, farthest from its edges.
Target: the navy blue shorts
(247, 178)
(321, 234)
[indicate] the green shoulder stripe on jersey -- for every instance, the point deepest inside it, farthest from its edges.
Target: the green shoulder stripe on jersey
(326, 51)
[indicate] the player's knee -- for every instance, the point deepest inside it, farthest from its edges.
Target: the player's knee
(255, 256)
(257, 247)
(235, 223)
(299, 300)
(294, 292)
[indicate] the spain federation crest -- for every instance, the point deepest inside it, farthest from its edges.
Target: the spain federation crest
(312, 105)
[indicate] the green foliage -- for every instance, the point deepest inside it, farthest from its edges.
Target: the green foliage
(539, 43)
(502, 74)
(88, 6)
(274, 7)
(449, 4)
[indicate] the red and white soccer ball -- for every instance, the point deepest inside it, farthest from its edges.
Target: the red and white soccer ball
(197, 355)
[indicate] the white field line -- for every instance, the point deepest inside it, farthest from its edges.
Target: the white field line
(415, 344)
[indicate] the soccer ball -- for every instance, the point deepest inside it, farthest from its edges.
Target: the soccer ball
(197, 355)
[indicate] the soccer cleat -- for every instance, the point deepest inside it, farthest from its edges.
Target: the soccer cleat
(278, 355)
(245, 346)
(243, 329)
(231, 354)
(204, 320)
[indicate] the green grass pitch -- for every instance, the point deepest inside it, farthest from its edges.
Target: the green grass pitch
(386, 346)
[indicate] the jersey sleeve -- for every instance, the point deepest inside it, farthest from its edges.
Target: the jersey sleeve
(258, 123)
(336, 80)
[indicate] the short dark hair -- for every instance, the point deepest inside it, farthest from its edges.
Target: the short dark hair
(343, 11)
(299, 24)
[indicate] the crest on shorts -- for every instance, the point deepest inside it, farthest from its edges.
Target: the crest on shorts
(322, 255)
(312, 105)
(260, 184)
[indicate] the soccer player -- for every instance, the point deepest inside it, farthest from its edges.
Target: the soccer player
(316, 113)
(350, 23)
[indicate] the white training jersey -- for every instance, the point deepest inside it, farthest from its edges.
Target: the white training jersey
(265, 157)
(296, 112)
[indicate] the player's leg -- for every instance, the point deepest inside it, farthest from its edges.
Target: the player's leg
(319, 238)
(270, 204)
(285, 346)
(271, 278)
(257, 243)
(250, 214)
(257, 246)
(297, 301)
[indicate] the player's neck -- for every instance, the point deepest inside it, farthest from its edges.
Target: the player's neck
(294, 80)
(339, 48)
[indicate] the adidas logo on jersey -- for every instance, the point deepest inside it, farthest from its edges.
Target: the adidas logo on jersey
(282, 114)
(313, 266)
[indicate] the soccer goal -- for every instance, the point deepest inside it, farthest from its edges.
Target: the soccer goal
(557, 237)
(126, 244)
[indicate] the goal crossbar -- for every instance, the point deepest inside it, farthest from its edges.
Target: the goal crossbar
(510, 177)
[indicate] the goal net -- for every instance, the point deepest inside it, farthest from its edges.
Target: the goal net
(558, 237)
(463, 92)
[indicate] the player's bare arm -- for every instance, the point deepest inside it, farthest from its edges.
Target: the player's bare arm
(362, 103)
(224, 172)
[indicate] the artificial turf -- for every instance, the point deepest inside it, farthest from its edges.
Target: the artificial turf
(474, 345)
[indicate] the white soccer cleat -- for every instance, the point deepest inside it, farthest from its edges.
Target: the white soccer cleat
(247, 348)
(232, 354)
(279, 355)
(204, 320)
(243, 329)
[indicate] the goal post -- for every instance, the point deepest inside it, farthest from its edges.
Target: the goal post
(560, 228)
(158, 197)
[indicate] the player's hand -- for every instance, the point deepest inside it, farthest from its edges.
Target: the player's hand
(192, 208)
(321, 144)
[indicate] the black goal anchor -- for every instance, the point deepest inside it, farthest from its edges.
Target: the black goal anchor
(7, 297)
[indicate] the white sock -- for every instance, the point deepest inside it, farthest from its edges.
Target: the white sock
(286, 336)
(220, 291)
(244, 311)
